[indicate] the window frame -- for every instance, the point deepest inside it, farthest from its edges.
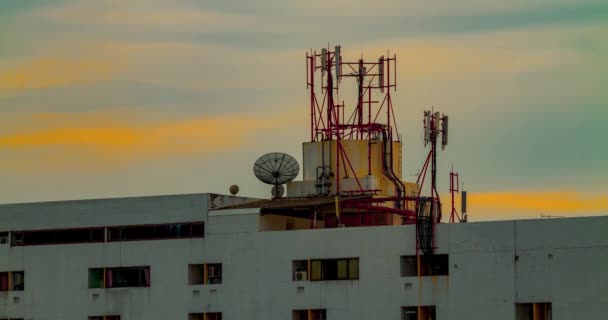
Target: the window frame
(22, 236)
(191, 225)
(109, 280)
(326, 272)
(425, 266)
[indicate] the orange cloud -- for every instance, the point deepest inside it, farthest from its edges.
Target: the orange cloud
(115, 132)
(531, 204)
(56, 72)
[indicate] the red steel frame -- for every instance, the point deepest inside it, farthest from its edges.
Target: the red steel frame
(325, 120)
(368, 118)
(325, 71)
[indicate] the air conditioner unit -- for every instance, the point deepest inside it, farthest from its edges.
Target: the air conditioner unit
(301, 276)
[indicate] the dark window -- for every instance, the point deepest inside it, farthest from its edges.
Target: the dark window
(159, 231)
(418, 313)
(3, 237)
(315, 314)
(17, 280)
(213, 316)
(198, 229)
(205, 273)
(434, 265)
(214, 273)
(196, 274)
(409, 266)
(318, 314)
(127, 277)
(334, 269)
(119, 277)
(96, 278)
(12, 281)
(4, 281)
(196, 316)
(533, 311)
(205, 316)
(64, 236)
(429, 265)
(299, 315)
(104, 318)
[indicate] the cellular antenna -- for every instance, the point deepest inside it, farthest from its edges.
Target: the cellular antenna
(453, 190)
(429, 209)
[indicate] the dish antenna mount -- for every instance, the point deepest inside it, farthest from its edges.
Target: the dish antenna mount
(276, 169)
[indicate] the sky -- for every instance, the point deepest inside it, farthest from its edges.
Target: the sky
(126, 98)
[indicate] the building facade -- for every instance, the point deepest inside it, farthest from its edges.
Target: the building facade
(183, 257)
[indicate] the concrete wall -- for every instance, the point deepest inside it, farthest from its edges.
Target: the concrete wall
(493, 265)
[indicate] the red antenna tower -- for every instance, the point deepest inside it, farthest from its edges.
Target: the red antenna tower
(328, 118)
(368, 119)
(429, 208)
(368, 130)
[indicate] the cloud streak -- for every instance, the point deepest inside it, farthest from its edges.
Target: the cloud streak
(107, 133)
(43, 73)
(509, 205)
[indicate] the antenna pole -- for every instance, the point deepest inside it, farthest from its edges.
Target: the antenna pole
(453, 190)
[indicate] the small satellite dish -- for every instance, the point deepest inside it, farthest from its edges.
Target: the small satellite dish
(234, 189)
(278, 191)
(276, 168)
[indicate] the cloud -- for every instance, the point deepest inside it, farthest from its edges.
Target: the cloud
(48, 72)
(528, 204)
(158, 15)
(122, 135)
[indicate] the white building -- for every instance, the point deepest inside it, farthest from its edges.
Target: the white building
(350, 241)
(527, 269)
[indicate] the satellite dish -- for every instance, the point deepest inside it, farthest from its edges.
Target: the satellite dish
(278, 191)
(234, 189)
(276, 168)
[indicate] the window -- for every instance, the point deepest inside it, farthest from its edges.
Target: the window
(17, 281)
(12, 281)
(3, 237)
(418, 313)
(119, 277)
(533, 311)
(214, 273)
(96, 278)
(300, 270)
(433, 265)
(159, 231)
(299, 315)
(62, 236)
(98, 234)
(104, 318)
(310, 314)
(213, 316)
(4, 281)
(196, 274)
(205, 316)
(207, 273)
(409, 266)
(334, 269)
